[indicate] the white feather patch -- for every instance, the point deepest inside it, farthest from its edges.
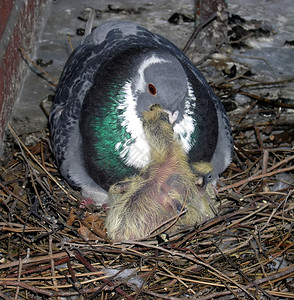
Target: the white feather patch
(186, 127)
(136, 154)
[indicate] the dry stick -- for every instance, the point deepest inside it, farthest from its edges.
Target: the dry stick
(53, 80)
(282, 162)
(271, 278)
(229, 260)
(85, 262)
(210, 296)
(178, 279)
(20, 228)
(205, 57)
(46, 277)
(270, 129)
(42, 105)
(195, 260)
(151, 273)
(14, 195)
(258, 58)
(267, 82)
(104, 248)
(225, 83)
(259, 98)
(38, 163)
(42, 291)
(255, 282)
(265, 161)
(27, 287)
(251, 178)
(2, 295)
(160, 296)
(260, 250)
(197, 30)
(219, 277)
(32, 179)
(278, 217)
(70, 43)
(267, 100)
(36, 192)
(42, 154)
(264, 164)
(54, 281)
(226, 252)
(213, 284)
(269, 260)
(275, 210)
(38, 259)
(204, 226)
(259, 139)
(39, 269)
(74, 281)
(252, 105)
(244, 127)
(242, 38)
(18, 278)
(247, 216)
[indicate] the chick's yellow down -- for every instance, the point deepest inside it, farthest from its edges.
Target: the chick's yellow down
(166, 187)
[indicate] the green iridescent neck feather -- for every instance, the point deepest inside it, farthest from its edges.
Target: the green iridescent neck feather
(110, 135)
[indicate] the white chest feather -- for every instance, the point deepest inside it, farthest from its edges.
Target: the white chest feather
(137, 152)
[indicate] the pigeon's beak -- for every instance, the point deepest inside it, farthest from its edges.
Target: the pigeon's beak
(172, 116)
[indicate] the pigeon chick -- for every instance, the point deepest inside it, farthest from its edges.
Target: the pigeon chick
(164, 188)
(120, 71)
(204, 170)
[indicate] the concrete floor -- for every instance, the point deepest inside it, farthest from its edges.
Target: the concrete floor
(63, 18)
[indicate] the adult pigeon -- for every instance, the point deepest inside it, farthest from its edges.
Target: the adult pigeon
(120, 71)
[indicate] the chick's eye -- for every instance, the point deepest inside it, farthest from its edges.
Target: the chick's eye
(152, 89)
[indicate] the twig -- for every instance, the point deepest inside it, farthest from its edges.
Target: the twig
(53, 81)
(80, 258)
(255, 282)
(197, 261)
(258, 58)
(18, 278)
(54, 281)
(267, 100)
(252, 178)
(243, 274)
(37, 259)
(38, 163)
(197, 30)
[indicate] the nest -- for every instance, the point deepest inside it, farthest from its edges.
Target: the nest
(53, 245)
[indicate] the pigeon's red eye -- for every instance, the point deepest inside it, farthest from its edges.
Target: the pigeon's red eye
(152, 89)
